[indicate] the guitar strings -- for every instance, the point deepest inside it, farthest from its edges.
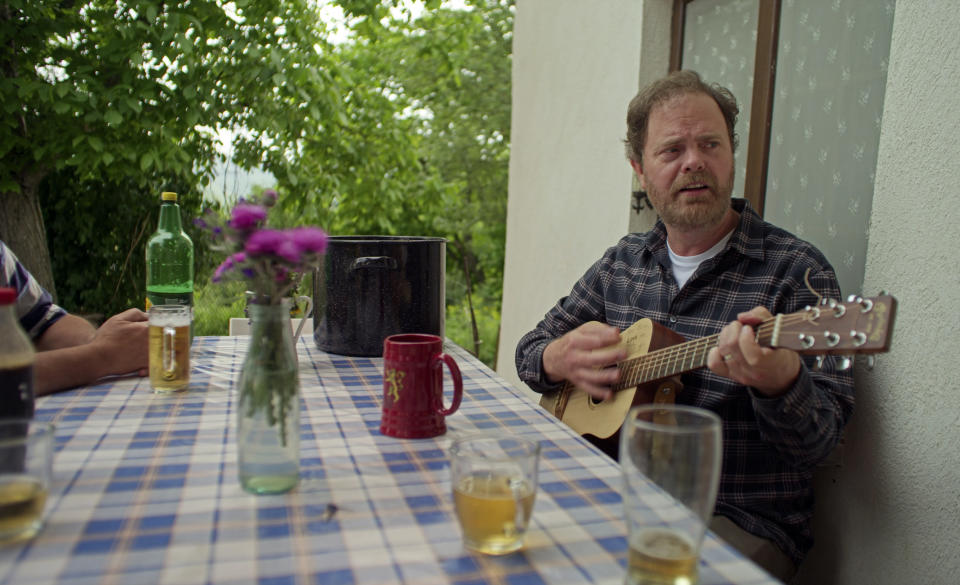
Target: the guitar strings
(670, 360)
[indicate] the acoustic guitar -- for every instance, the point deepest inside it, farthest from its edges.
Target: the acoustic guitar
(657, 355)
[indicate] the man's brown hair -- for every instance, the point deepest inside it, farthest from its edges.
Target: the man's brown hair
(673, 85)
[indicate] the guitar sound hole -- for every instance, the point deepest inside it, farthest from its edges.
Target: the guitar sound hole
(594, 401)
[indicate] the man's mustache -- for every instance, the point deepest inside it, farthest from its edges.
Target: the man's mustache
(697, 180)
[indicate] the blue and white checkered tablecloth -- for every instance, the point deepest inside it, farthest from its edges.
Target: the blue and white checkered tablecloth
(146, 491)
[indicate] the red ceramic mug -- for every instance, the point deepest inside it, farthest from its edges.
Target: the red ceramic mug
(413, 386)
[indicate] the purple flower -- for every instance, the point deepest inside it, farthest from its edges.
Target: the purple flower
(288, 250)
(221, 270)
(265, 242)
(267, 257)
(199, 223)
(309, 239)
(246, 216)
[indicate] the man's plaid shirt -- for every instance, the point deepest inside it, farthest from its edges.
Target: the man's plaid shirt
(771, 445)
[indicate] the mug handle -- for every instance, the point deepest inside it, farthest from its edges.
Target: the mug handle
(169, 354)
(306, 313)
(457, 383)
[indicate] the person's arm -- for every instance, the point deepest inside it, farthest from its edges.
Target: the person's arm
(67, 331)
(559, 347)
(119, 346)
(800, 411)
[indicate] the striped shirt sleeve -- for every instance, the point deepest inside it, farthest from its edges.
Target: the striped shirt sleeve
(35, 307)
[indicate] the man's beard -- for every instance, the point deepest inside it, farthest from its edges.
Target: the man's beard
(685, 215)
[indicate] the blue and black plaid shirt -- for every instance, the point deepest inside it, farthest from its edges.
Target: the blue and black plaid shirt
(771, 445)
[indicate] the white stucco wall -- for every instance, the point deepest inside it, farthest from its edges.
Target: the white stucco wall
(569, 179)
(891, 513)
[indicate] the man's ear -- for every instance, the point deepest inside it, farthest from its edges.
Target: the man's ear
(638, 170)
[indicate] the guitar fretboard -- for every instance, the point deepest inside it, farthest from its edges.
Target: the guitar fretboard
(677, 359)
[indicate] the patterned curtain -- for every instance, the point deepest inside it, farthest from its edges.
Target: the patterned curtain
(831, 76)
(828, 102)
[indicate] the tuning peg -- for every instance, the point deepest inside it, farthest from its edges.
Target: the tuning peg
(818, 364)
(871, 361)
(846, 362)
(832, 338)
(839, 309)
(865, 304)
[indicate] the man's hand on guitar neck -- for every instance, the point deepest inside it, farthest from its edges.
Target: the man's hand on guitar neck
(738, 356)
(586, 357)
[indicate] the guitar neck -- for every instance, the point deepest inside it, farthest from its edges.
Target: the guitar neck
(664, 363)
(679, 358)
(859, 326)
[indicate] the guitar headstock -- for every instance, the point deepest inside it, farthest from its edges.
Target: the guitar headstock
(858, 326)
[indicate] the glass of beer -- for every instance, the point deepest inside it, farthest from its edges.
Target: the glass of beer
(26, 469)
(670, 456)
(169, 348)
(494, 484)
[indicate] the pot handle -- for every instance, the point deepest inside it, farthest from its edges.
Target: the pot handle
(372, 262)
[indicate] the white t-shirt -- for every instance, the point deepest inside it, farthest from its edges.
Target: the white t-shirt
(684, 266)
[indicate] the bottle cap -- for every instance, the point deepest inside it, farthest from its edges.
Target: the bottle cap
(168, 196)
(8, 295)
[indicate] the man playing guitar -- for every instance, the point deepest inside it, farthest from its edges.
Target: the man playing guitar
(710, 266)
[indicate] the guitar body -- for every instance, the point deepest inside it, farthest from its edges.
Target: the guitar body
(600, 422)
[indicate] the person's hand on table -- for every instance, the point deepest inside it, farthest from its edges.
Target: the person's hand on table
(124, 342)
(72, 353)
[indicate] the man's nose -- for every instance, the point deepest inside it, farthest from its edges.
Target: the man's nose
(693, 161)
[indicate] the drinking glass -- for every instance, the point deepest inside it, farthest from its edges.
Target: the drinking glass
(26, 469)
(670, 456)
(169, 347)
(494, 486)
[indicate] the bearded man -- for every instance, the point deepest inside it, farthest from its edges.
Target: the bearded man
(710, 265)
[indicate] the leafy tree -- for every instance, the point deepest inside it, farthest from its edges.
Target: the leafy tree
(404, 129)
(439, 84)
(461, 81)
(125, 92)
(97, 233)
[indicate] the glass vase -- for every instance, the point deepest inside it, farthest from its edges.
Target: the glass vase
(268, 408)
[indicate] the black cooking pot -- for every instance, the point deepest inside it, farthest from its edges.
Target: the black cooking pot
(376, 286)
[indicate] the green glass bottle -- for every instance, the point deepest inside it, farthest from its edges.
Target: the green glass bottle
(169, 258)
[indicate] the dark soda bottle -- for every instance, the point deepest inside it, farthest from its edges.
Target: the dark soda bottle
(169, 258)
(16, 361)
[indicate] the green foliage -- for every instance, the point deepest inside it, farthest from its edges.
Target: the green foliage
(402, 130)
(97, 233)
(424, 149)
(125, 90)
(215, 304)
(459, 329)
